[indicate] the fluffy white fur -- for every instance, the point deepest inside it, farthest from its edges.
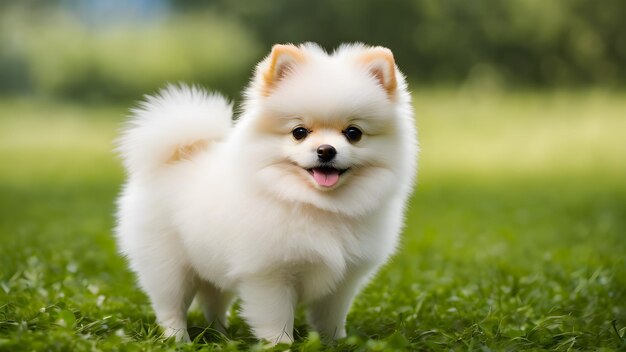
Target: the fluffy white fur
(220, 209)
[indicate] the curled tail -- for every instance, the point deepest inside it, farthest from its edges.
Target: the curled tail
(171, 126)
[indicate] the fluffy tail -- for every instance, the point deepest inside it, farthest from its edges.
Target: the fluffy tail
(171, 126)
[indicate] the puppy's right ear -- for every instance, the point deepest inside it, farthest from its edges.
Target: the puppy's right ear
(281, 61)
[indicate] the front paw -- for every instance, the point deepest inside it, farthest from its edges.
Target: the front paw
(180, 334)
(282, 339)
(331, 334)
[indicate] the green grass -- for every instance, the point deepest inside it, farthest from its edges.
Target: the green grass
(515, 237)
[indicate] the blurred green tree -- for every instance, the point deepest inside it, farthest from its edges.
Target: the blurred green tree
(517, 42)
(54, 48)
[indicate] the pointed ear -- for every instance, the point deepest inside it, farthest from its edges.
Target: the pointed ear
(282, 59)
(380, 63)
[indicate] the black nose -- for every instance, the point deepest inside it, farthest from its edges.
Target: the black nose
(326, 152)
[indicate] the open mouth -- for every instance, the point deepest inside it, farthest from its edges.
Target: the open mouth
(326, 176)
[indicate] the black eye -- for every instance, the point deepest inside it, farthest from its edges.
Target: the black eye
(300, 133)
(353, 134)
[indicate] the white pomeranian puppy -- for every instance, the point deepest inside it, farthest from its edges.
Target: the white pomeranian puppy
(300, 200)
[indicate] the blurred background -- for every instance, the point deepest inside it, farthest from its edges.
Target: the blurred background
(96, 50)
(515, 234)
(527, 87)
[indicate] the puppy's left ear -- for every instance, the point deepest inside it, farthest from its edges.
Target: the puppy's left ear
(282, 60)
(379, 61)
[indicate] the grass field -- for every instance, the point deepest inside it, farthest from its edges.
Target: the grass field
(516, 235)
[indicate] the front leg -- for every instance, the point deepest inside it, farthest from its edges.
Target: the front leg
(328, 314)
(268, 306)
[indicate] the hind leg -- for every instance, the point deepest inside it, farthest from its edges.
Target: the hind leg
(171, 286)
(215, 304)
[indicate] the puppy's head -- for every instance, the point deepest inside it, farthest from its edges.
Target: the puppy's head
(335, 131)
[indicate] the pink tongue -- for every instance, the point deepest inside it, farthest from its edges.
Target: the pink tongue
(326, 178)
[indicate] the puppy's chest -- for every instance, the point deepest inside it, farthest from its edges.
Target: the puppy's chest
(308, 246)
(315, 256)
(330, 241)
